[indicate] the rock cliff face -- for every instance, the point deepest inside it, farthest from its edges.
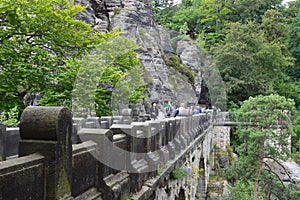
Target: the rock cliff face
(135, 19)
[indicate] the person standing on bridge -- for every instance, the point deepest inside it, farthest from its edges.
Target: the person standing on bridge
(170, 110)
(153, 111)
(161, 114)
(179, 110)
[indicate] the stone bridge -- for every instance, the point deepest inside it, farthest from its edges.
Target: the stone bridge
(110, 157)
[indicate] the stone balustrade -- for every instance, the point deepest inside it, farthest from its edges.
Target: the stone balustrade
(112, 156)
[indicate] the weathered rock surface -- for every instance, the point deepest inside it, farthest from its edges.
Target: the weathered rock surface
(190, 53)
(288, 172)
(294, 171)
(135, 19)
(218, 190)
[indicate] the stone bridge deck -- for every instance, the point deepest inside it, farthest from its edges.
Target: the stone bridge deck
(109, 160)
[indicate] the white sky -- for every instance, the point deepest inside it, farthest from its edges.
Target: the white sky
(179, 1)
(284, 1)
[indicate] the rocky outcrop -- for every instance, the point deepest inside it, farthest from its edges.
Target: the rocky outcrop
(135, 19)
(218, 190)
(294, 171)
(287, 172)
(190, 53)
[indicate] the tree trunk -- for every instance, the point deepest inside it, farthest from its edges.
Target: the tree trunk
(256, 184)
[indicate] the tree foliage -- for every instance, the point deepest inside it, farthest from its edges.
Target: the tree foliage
(243, 190)
(208, 18)
(251, 10)
(260, 37)
(293, 39)
(43, 47)
(205, 19)
(255, 44)
(252, 57)
(267, 138)
(36, 37)
(109, 78)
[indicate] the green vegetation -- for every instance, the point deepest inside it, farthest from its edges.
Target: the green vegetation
(215, 178)
(243, 190)
(179, 173)
(34, 43)
(115, 69)
(43, 47)
(175, 62)
(255, 43)
(250, 60)
(255, 47)
(44, 50)
(265, 140)
(10, 118)
(125, 197)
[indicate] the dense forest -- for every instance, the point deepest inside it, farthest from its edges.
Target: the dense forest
(255, 45)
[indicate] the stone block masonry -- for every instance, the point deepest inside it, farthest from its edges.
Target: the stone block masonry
(82, 159)
(9, 142)
(2, 141)
(47, 130)
(23, 178)
(133, 161)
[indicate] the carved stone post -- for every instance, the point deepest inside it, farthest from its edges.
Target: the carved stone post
(170, 137)
(2, 141)
(106, 122)
(47, 130)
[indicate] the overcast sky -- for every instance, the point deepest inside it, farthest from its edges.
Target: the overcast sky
(284, 1)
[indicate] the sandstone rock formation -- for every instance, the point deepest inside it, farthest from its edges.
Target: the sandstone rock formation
(135, 19)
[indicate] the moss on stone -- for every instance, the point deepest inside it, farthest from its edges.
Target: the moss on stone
(125, 197)
(175, 62)
(179, 173)
(214, 179)
(168, 190)
(63, 187)
(117, 11)
(230, 154)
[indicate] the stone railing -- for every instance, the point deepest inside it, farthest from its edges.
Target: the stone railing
(109, 160)
(9, 142)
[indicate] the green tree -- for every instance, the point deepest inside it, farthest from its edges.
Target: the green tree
(274, 26)
(36, 37)
(243, 190)
(293, 40)
(213, 17)
(164, 10)
(177, 16)
(248, 62)
(292, 10)
(266, 138)
(291, 85)
(198, 18)
(108, 78)
(251, 10)
(207, 19)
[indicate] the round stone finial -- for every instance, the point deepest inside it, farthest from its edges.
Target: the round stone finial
(45, 123)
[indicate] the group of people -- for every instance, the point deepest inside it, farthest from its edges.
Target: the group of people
(156, 112)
